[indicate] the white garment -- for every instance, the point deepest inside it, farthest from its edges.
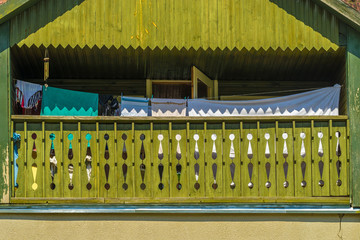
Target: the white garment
(27, 89)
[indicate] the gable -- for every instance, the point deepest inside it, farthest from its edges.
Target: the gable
(187, 24)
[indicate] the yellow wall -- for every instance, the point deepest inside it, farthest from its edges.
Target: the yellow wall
(178, 226)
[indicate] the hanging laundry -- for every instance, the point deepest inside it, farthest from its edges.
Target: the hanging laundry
(61, 102)
(108, 105)
(28, 98)
(134, 106)
(168, 107)
(321, 102)
(27, 93)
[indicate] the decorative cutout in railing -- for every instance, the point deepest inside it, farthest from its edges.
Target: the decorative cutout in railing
(211, 161)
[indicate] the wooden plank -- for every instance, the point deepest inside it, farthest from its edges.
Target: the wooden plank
(197, 188)
(140, 146)
(70, 131)
(12, 187)
(125, 156)
(353, 89)
(34, 161)
(53, 128)
(5, 109)
(319, 201)
(231, 190)
(321, 182)
(213, 191)
(31, 118)
(284, 133)
(108, 185)
(91, 130)
(267, 186)
(161, 188)
(19, 128)
(303, 183)
(250, 132)
(11, 8)
(339, 188)
(178, 129)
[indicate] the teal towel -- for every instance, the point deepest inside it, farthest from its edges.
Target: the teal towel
(61, 102)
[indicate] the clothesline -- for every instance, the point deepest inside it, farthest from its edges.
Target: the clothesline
(272, 92)
(56, 102)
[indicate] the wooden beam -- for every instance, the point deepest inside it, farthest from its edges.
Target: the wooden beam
(148, 88)
(13, 7)
(5, 111)
(343, 11)
(353, 100)
(197, 75)
(216, 89)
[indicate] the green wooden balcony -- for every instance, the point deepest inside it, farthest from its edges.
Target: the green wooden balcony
(181, 160)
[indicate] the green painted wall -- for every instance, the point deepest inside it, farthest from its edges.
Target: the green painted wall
(5, 111)
(353, 95)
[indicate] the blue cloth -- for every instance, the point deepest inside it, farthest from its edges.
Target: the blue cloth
(324, 101)
(61, 102)
(16, 139)
(134, 106)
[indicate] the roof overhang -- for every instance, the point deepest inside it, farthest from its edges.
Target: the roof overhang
(14, 7)
(343, 11)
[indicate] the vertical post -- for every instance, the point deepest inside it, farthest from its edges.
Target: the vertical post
(216, 90)
(148, 88)
(5, 76)
(353, 101)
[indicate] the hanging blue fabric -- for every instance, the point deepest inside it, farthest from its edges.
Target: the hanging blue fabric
(134, 106)
(16, 139)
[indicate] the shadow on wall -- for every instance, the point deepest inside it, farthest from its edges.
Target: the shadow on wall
(317, 19)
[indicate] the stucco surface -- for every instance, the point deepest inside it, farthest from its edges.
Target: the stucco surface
(178, 226)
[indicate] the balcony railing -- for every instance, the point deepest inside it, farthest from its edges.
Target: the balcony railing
(175, 160)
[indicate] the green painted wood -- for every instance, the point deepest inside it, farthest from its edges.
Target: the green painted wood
(250, 128)
(300, 191)
(319, 190)
(348, 157)
(353, 92)
(197, 128)
(20, 191)
(112, 191)
(280, 175)
(187, 131)
(231, 128)
(341, 190)
(139, 130)
(14, 7)
(71, 128)
(5, 79)
(209, 161)
(58, 191)
(91, 129)
(162, 129)
(172, 24)
(34, 128)
(125, 128)
(267, 128)
(184, 191)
